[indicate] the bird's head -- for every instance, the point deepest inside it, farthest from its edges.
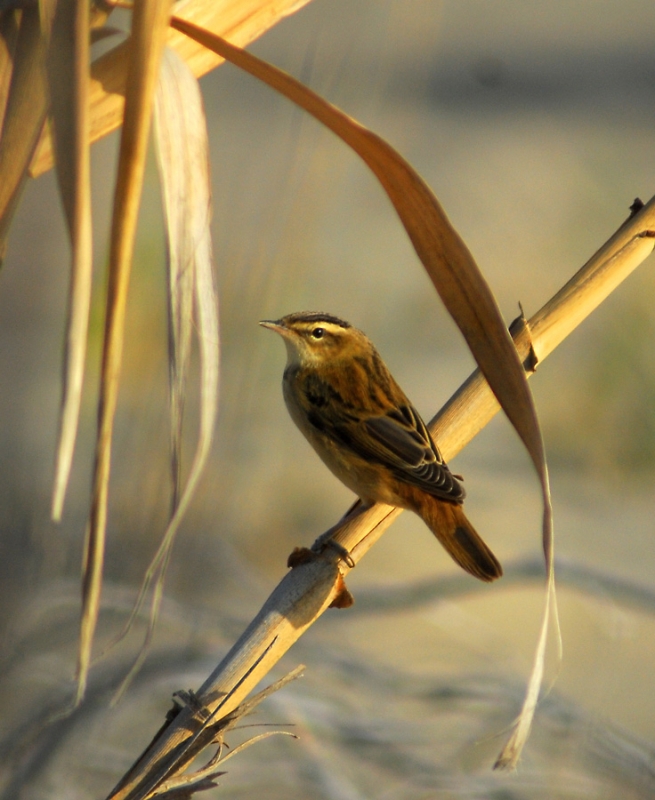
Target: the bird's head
(314, 338)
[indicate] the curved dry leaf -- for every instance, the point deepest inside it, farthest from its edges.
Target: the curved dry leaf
(460, 285)
(68, 78)
(149, 26)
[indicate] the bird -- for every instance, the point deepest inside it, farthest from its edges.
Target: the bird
(346, 403)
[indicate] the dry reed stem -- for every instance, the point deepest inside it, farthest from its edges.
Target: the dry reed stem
(149, 24)
(308, 590)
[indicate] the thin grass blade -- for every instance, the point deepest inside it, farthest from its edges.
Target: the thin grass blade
(149, 26)
(177, 126)
(68, 74)
(183, 161)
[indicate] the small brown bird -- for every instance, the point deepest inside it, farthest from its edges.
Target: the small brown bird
(345, 401)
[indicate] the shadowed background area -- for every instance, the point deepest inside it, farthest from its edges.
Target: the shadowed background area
(533, 124)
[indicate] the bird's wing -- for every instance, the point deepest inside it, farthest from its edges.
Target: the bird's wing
(400, 441)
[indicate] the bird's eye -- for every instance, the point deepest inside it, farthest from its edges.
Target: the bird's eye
(318, 333)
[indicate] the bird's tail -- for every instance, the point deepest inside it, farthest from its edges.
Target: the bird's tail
(449, 524)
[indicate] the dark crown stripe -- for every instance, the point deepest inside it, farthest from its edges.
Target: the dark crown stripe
(317, 316)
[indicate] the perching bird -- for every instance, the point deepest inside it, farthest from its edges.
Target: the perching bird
(343, 398)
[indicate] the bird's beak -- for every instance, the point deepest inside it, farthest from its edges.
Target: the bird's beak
(275, 325)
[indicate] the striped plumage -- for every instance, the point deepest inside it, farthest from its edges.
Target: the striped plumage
(345, 401)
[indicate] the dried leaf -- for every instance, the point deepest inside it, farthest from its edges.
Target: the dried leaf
(24, 115)
(149, 25)
(241, 20)
(68, 74)
(183, 160)
(181, 146)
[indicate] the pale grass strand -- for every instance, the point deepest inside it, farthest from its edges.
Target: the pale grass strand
(254, 740)
(68, 74)
(183, 161)
(179, 119)
(511, 752)
(155, 607)
(198, 244)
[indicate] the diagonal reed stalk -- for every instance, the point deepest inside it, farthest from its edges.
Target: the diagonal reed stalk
(309, 589)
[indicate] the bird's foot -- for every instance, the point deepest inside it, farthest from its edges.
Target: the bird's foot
(303, 555)
(326, 541)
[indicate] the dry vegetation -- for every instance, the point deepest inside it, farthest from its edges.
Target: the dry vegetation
(54, 104)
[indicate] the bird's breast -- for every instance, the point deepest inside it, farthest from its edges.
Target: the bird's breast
(311, 406)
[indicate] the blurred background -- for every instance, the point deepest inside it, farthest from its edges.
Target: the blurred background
(533, 124)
